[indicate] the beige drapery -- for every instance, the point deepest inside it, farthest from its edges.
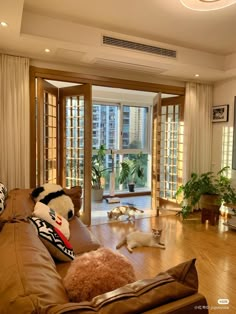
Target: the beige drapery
(14, 121)
(197, 129)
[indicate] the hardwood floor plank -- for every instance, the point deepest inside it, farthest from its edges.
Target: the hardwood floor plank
(212, 246)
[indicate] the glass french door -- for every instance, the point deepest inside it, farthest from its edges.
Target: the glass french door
(47, 138)
(75, 141)
(167, 150)
(64, 119)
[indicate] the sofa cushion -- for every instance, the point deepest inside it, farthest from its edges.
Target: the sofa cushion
(81, 239)
(56, 243)
(29, 279)
(52, 217)
(176, 283)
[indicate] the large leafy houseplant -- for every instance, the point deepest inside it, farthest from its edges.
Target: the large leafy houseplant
(206, 183)
(98, 167)
(132, 168)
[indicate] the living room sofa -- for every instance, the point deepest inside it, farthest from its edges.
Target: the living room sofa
(31, 280)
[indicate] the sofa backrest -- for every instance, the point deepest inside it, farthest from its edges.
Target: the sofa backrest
(19, 205)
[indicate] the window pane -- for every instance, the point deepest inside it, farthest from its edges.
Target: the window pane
(142, 162)
(134, 127)
(105, 126)
(50, 144)
(74, 140)
(140, 182)
(169, 152)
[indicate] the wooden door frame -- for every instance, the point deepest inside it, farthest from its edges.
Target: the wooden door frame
(57, 75)
(36, 72)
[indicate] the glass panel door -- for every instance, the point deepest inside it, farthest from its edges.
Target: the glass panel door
(171, 149)
(74, 140)
(76, 135)
(155, 186)
(167, 150)
(47, 133)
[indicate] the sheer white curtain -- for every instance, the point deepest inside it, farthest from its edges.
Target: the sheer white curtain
(14, 121)
(197, 129)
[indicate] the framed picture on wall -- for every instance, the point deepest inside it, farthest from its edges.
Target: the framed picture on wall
(220, 113)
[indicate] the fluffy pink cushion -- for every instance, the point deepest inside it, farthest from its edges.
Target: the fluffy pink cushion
(97, 272)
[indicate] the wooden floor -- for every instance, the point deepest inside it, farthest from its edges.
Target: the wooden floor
(214, 247)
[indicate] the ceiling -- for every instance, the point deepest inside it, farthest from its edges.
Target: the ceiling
(205, 42)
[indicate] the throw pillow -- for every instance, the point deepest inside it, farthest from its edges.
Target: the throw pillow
(75, 193)
(46, 213)
(97, 272)
(56, 243)
(3, 196)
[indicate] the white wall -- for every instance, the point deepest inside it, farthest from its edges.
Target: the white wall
(224, 93)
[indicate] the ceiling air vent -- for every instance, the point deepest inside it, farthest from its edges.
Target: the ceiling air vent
(111, 41)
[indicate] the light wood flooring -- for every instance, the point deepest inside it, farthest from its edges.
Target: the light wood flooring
(214, 247)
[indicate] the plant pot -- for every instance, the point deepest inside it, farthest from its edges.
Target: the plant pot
(210, 207)
(210, 201)
(131, 187)
(97, 194)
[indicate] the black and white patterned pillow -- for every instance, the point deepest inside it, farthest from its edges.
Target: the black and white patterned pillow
(56, 243)
(3, 196)
(52, 217)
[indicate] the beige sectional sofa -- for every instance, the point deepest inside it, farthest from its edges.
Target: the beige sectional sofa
(31, 281)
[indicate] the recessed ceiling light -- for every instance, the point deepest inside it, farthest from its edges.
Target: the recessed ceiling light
(47, 50)
(3, 24)
(196, 75)
(207, 5)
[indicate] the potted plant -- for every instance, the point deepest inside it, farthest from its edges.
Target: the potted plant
(98, 168)
(132, 168)
(206, 188)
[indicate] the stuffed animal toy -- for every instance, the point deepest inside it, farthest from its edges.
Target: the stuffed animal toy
(53, 196)
(3, 196)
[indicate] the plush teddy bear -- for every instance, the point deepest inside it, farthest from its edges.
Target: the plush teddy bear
(54, 196)
(3, 196)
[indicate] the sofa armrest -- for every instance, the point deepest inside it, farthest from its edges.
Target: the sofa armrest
(188, 305)
(176, 284)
